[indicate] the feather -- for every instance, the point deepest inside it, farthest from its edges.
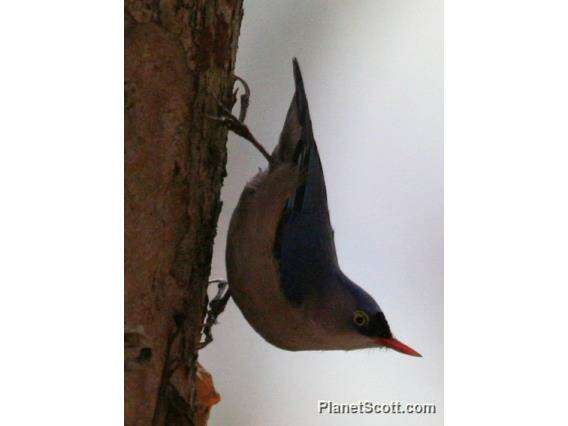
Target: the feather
(304, 246)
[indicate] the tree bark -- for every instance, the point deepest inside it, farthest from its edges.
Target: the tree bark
(178, 54)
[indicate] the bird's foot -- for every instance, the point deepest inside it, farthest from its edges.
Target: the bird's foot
(214, 308)
(237, 125)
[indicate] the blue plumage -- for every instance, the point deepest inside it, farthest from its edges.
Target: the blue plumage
(303, 301)
(304, 246)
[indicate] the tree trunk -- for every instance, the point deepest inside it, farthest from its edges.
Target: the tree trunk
(178, 53)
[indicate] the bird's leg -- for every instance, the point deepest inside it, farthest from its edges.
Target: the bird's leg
(237, 125)
(214, 308)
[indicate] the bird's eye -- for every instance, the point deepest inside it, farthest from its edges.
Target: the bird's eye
(360, 318)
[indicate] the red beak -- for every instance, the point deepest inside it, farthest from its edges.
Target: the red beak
(397, 346)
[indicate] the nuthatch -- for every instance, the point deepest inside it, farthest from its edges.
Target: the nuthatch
(282, 266)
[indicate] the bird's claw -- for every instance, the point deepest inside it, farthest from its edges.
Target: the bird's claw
(214, 308)
(233, 123)
(245, 98)
(237, 125)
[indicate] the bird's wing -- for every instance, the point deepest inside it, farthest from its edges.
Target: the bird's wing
(304, 245)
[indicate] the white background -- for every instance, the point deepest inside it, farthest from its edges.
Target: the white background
(505, 222)
(374, 76)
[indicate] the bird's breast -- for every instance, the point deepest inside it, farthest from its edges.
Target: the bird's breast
(252, 270)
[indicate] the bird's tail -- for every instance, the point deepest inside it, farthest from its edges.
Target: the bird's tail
(296, 135)
(297, 145)
(302, 104)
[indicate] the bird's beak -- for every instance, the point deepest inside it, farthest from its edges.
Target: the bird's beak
(397, 346)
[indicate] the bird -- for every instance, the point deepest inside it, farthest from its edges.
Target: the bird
(282, 267)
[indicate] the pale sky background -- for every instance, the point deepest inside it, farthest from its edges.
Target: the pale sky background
(373, 72)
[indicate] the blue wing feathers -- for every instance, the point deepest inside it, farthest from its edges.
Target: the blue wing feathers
(304, 245)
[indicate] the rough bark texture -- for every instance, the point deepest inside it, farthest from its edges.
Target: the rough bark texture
(178, 53)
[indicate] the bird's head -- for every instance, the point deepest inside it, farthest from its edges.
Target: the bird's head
(361, 319)
(374, 326)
